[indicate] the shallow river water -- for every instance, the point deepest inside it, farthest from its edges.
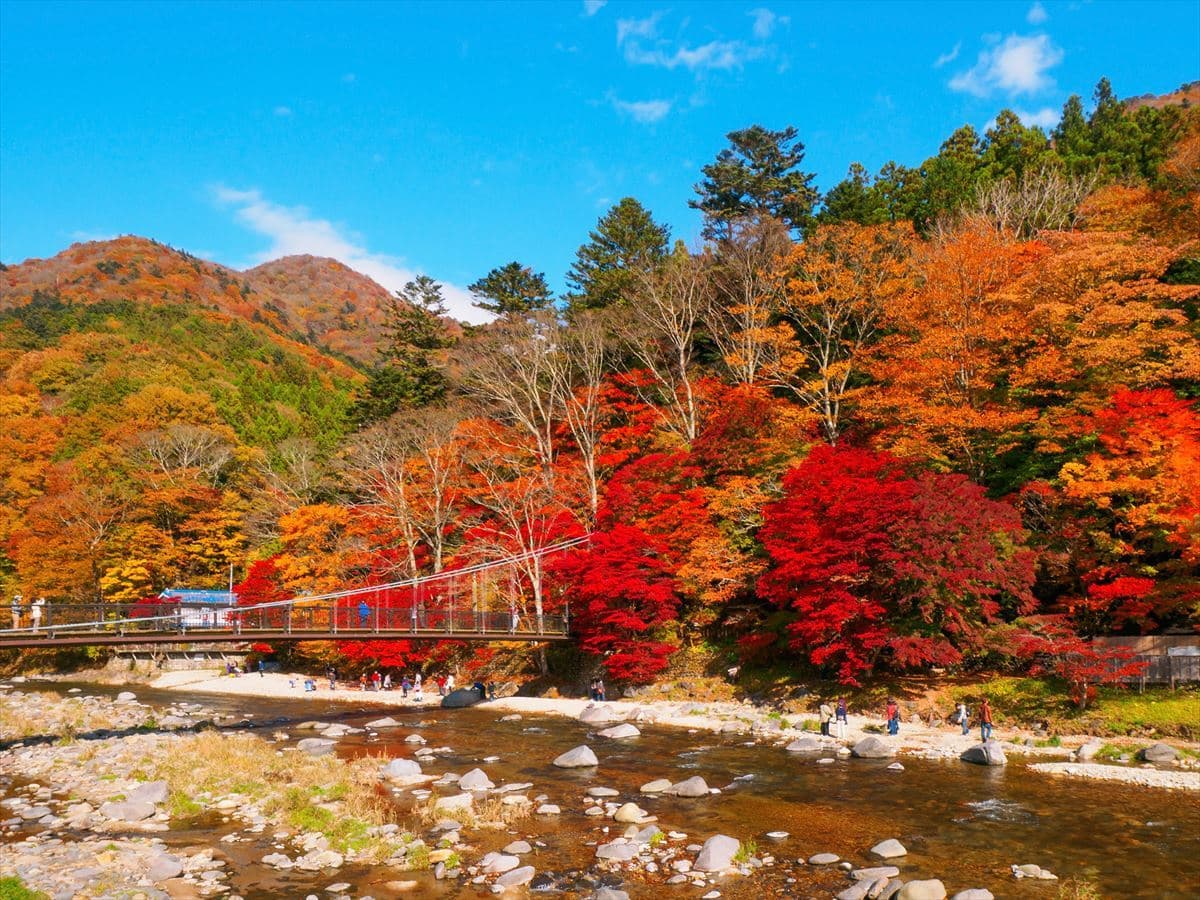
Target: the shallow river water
(961, 823)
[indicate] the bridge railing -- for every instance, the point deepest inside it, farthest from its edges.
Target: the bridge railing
(300, 616)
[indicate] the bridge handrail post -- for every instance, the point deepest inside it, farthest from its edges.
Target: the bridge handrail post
(333, 615)
(377, 615)
(287, 616)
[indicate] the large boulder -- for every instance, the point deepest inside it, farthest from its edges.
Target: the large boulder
(580, 757)
(599, 714)
(804, 745)
(717, 853)
(873, 748)
(148, 792)
(127, 811)
(475, 780)
(399, 769)
(989, 754)
(619, 850)
(516, 877)
(690, 787)
(164, 866)
(1158, 753)
(1089, 750)
(461, 697)
(889, 849)
(624, 730)
(928, 889)
(493, 863)
(630, 813)
(315, 746)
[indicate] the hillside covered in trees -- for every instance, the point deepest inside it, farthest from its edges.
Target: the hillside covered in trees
(940, 416)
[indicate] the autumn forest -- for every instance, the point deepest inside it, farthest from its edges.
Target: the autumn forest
(940, 416)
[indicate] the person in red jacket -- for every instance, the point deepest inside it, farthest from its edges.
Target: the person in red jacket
(893, 716)
(985, 721)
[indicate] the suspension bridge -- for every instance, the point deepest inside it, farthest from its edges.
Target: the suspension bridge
(473, 603)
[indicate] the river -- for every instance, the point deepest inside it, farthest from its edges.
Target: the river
(961, 823)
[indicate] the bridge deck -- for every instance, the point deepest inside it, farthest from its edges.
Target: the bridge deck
(67, 625)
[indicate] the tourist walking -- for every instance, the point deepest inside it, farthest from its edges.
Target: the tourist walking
(418, 689)
(826, 716)
(16, 610)
(376, 681)
(262, 668)
(332, 673)
(364, 613)
(841, 718)
(362, 682)
(964, 718)
(893, 716)
(600, 690)
(450, 683)
(35, 613)
(441, 685)
(985, 721)
(387, 681)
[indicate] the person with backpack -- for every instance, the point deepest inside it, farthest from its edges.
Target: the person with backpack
(893, 716)
(841, 718)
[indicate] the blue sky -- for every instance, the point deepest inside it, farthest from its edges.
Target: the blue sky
(449, 138)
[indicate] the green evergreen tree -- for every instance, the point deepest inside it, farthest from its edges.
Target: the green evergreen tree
(854, 199)
(626, 241)
(1072, 140)
(757, 176)
(1011, 147)
(950, 178)
(408, 373)
(511, 289)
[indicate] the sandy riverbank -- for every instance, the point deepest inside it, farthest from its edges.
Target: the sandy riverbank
(754, 722)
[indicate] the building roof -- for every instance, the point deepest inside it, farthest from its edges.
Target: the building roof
(198, 595)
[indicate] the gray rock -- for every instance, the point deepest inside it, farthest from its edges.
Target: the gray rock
(461, 698)
(603, 792)
(1158, 753)
(620, 851)
(690, 787)
(580, 757)
(315, 746)
(823, 859)
(518, 847)
(127, 811)
(630, 813)
(1029, 870)
(989, 754)
(873, 748)
(657, 786)
(804, 745)
(494, 863)
(874, 873)
(126, 697)
(148, 792)
(1088, 751)
(606, 893)
(889, 849)
(974, 894)
(278, 860)
(453, 803)
(717, 853)
(599, 715)
(401, 768)
(624, 730)
(164, 866)
(927, 889)
(523, 875)
(385, 722)
(475, 780)
(548, 809)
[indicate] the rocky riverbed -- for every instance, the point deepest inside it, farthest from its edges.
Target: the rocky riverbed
(198, 797)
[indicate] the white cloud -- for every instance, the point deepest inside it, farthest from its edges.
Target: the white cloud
(645, 111)
(713, 55)
(765, 22)
(948, 57)
(1044, 118)
(1018, 65)
(591, 7)
(283, 111)
(644, 28)
(294, 230)
(1037, 14)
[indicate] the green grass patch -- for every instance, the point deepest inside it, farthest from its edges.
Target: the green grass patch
(745, 851)
(13, 888)
(184, 807)
(1053, 741)
(417, 857)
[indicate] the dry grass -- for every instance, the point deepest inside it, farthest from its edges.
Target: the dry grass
(491, 812)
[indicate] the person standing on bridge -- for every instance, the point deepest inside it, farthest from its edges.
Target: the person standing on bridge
(516, 620)
(16, 610)
(35, 613)
(364, 613)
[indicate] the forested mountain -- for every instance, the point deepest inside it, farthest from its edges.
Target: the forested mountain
(944, 416)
